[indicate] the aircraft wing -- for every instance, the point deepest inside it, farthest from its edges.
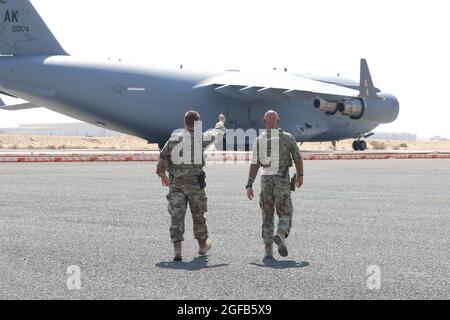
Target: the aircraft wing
(276, 85)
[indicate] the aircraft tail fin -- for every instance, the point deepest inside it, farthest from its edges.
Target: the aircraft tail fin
(366, 87)
(23, 32)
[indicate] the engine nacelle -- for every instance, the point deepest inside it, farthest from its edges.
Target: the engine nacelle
(384, 109)
(353, 108)
(326, 106)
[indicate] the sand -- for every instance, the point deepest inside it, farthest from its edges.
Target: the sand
(422, 145)
(136, 144)
(73, 143)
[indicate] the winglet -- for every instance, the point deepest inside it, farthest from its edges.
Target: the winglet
(366, 87)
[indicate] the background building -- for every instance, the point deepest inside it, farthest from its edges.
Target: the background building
(401, 136)
(87, 130)
(61, 129)
(438, 138)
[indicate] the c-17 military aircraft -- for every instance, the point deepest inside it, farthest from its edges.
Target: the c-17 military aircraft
(149, 102)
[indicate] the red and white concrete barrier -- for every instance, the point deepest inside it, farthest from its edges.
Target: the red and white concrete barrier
(213, 156)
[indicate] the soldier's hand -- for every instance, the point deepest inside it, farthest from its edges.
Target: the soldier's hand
(299, 182)
(165, 181)
(250, 195)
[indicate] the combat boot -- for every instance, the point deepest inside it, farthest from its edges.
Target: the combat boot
(279, 239)
(268, 251)
(177, 249)
(204, 247)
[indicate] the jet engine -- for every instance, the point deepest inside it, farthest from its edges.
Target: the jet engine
(326, 106)
(384, 109)
(353, 108)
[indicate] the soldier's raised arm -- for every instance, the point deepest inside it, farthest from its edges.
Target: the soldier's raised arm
(216, 134)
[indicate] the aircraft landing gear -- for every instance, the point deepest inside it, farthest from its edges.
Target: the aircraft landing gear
(359, 145)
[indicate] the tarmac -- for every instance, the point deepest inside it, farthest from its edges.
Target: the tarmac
(110, 220)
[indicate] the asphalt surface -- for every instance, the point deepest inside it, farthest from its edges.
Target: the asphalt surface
(110, 220)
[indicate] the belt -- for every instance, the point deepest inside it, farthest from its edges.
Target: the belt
(275, 172)
(185, 180)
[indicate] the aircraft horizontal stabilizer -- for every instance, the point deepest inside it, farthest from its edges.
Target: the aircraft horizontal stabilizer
(16, 107)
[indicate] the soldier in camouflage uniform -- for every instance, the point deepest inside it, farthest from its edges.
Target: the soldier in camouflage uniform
(183, 158)
(275, 181)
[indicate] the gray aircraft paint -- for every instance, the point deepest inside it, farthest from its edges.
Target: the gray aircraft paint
(149, 102)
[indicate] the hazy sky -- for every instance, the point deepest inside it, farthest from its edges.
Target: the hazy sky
(405, 42)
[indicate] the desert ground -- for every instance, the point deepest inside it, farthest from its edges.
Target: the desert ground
(17, 142)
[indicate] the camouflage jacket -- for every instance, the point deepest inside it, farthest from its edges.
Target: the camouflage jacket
(288, 152)
(183, 154)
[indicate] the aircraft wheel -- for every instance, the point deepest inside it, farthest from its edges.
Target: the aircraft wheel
(359, 145)
(362, 145)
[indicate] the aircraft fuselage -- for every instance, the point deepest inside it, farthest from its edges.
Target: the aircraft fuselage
(149, 102)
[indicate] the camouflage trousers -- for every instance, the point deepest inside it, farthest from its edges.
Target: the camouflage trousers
(179, 197)
(275, 194)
